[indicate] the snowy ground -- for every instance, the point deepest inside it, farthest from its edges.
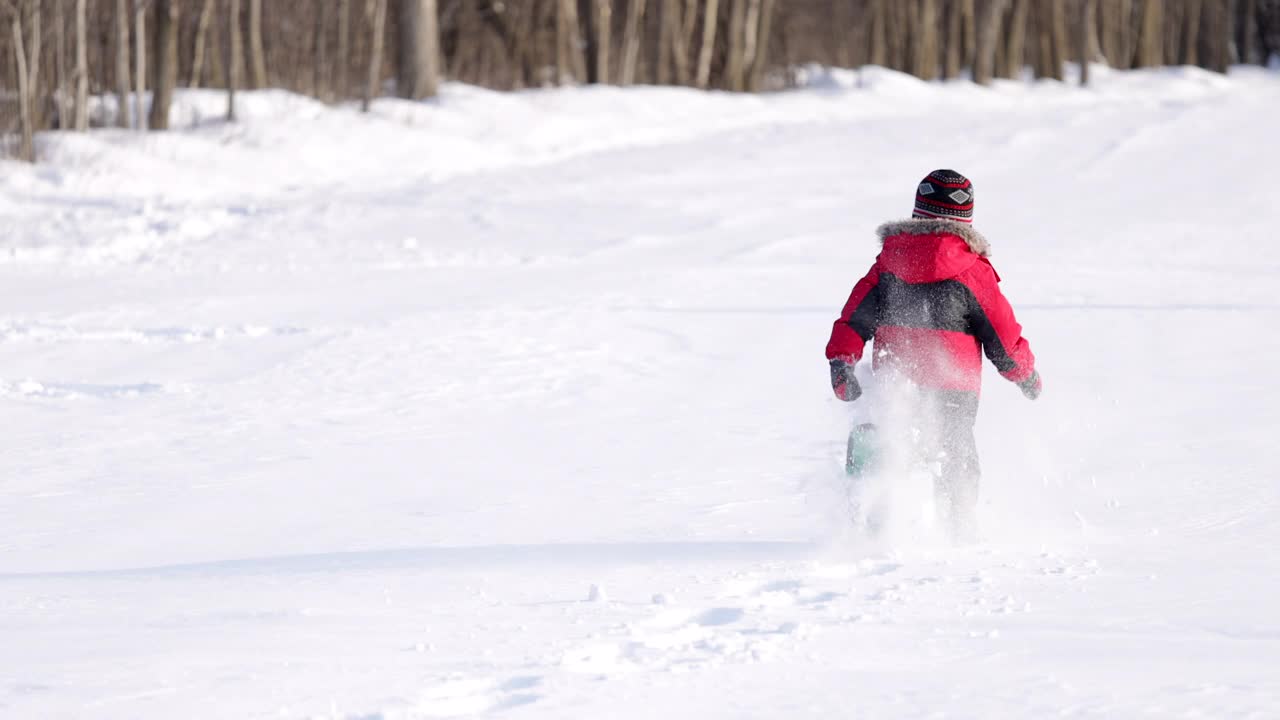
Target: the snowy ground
(325, 415)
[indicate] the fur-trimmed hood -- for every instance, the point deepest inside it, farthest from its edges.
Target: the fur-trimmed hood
(976, 241)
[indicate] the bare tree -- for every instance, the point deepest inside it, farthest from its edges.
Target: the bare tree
(258, 62)
(26, 123)
(343, 85)
(1049, 48)
(82, 68)
(667, 29)
(924, 62)
(1216, 35)
(878, 38)
(603, 21)
(1087, 39)
(166, 46)
(570, 64)
(123, 89)
(377, 12)
(62, 96)
(959, 37)
(1151, 34)
(709, 21)
(34, 44)
(321, 64)
(197, 54)
(984, 61)
(735, 65)
(1191, 33)
(139, 62)
(760, 57)
(631, 42)
(417, 67)
(1248, 31)
(235, 59)
(1015, 39)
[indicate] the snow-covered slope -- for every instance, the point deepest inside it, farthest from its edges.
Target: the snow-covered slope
(515, 404)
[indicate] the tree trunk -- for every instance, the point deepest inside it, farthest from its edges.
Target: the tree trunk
(710, 17)
(631, 42)
(1248, 32)
(1216, 35)
(1151, 34)
(878, 40)
(34, 45)
(140, 63)
(1085, 40)
(668, 27)
(166, 45)
(123, 88)
(688, 30)
(378, 29)
(1191, 34)
(1109, 20)
(417, 70)
(954, 44)
(681, 29)
(27, 143)
(751, 33)
(760, 58)
(1172, 36)
(925, 37)
(321, 64)
(1126, 36)
(984, 61)
(82, 68)
(569, 61)
(1061, 43)
(1016, 39)
(343, 85)
(235, 59)
(258, 57)
(62, 98)
(197, 54)
(673, 48)
(603, 22)
(734, 66)
(562, 44)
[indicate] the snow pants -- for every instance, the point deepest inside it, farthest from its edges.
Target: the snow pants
(944, 441)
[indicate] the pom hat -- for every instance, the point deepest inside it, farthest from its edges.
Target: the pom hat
(945, 194)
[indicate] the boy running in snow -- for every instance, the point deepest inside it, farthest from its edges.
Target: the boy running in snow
(933, 304)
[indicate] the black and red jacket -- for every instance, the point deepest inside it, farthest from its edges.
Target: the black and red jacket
(933, 305)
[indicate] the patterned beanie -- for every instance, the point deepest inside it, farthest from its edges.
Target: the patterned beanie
(945, 194)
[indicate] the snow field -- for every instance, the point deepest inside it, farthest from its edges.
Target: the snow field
(325, 415)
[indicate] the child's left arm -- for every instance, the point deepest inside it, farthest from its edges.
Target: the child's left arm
(995, 326)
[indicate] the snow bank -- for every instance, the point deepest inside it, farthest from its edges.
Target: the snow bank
(284, 142)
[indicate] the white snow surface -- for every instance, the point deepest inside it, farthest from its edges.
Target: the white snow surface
(514, 405)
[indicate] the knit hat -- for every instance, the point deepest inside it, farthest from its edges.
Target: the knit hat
(945, 194)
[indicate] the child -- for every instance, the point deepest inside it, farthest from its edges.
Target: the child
(932, 303)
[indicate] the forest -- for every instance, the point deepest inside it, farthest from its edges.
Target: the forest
(56, 56)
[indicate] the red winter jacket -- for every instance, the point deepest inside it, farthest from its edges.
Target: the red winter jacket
(932, 304)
